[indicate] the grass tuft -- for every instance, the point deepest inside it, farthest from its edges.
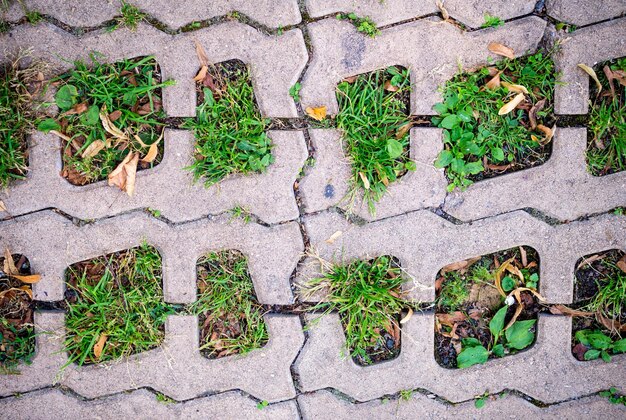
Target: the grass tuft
(364, 25)
(492, 21)
(130, 17)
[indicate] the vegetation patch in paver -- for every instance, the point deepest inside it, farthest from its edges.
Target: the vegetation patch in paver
(17, 333)
(606, 146)
(599, 323)
(374, 118)
(231, 319)
(492, 21)
(365, 25)
(110, 115)
(230, 133)
(369, 300)
(115, 306)
(496, 119)
(130, 17)
(486, 307)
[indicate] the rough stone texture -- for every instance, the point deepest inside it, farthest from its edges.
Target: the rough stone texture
(272, 252)
(547, 371)
(176, 368)
(424, 243)
(272, 13)
(425, 187)
(584, 12)
(275, 61)
(436, 49)
(318, 405)
(589, 46)
(168, 187)
(472, 13)
(141, 404)
(561, 187)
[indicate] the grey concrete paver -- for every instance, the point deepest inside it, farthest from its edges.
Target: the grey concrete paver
(435, 53)
(582, 12)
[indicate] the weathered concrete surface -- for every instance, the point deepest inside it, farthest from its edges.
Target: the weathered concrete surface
(583, 12)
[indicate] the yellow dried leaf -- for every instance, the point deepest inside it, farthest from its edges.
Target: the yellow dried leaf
(28, 291)
(334, 237)
(444, 12)
(3, 207)
(131, 171)
(123, 176)
(515, 271)
(153, 151)
(515, 88)
(404, 129)
(494, 83)
(498, 275)
(9, 265)
(512, 104)
(366, 182)
(549, 133)
(201, 74)
(502, 50)
(407, 317)
(202, 57)
(93, 149)
(318, 113)
(99, 346)
(33, 278)
(593, 75)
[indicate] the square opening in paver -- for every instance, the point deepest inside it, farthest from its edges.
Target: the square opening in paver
(110, 121)
(486, 307)
(606, 137)
(368, 296)
(230, 132)
(229, 314)
(374, 120)
(497, 119)
(17, 332)
(115, 306)
(599, 321)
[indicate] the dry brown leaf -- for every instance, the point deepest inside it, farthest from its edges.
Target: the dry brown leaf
(110, 127)
(153, 151)
(404, 129)
(524, 256)
(366, 182)
(99, 346)
(123, 176)
(3, 207)
(610, 324)
(201, 74)
(512, 104)
(444, 12)
(28, 291)
(115, 115)
(318, 113)
(593, 75)
(564, 310)
(532, 114)
(498, 275)
(131, 171)
(620, 76)
(548, 132)
(494, 83)
(498, 167)
(93, 149)
(515, 271)
(33, 278)
(621, 264)
(515, 88)
(202, 57)
(502, 50)
(63, 136)
(334, 237)
(9, 266)
(589, 260)
(518, 311)
(350, 79)
(389, 87)
(407, 317)
(610, 77)
(459, 265)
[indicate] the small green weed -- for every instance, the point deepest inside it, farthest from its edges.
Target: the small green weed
(406, 394)
(164, 399)
(115, 306)
(231, 318)
(33, 17)
(606, 151)
(478, 141)
(130, 17)
(242, 213)
(600, 344)
(294, 91)
(480, 400)
(620, 211)
(614, 396)
(373, 115)
(454, 291)
(368, 297)
(492, 21)
(230, 132)
(262, 404)
(154, 212)
(364, 25)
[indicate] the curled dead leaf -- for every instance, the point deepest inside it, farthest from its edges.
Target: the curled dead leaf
(515, 271)
(110, 127)
(202, 57)
(63, 136)
(123, 176)
(610, 324)
(334, 237)
(564, 310)
(153, 151)
(350, 79)
(404, 129)
(93, 149)
(498, 275)
(99, 346)
(512, 104)
(318, 113)
(33, 278)
(548, 133)
(589, 260)
(494, 83)
(524, 256)
(201, 74)
(502, 50)
(515, 88)
(460, 266)
(610, 77)
(532, 114)
(9, 266)
(389, 87)
(407, 317)
(593, 75)
(620, 76)
(366, 182)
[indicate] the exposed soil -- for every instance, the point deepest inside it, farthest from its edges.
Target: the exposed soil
(218, 75)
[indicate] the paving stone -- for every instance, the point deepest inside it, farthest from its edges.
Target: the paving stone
(167, 187)
(272, 252)
(589, 46)
(547, 371)
(561, 188)
(424, 243)
(472, 13)
(141, 404)
(275, 61)
(176, 368)
(425, 187)
(175, 15)
(583, 12)
(436, 50)
(323, 404)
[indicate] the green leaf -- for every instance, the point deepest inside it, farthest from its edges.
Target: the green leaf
(92, 116)
(450, 122)
(582, 337)
(508, 283)
(472, 356)
(620, 346)
(440, 108)
(410, 165)
(394, 148)
(605, 356)
(444, 159)
(466, 115)
(474, 167)
(48, 124)
(66, 97)
(496, 325)
(592, 354)
(519, 336)
(470, 342)
(498, 350)
(598, 340)
(479, 403)
(497, 153)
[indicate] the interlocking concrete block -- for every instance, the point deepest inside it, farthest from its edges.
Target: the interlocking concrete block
(436, 50)
(472, 13)
(328, 182)
(561, 187)
(589, 46)
(141, 404)
(583, 12)
(176, 368)
(52, 243)
(547, 371)
(323, 404)
(275, 61)
(168, 187)
(424, 243)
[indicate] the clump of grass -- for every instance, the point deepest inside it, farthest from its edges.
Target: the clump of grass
(119, 297)
(33, 17)
(606, 151)
(610, 300)
(130, 17)
(129, 92)
(454, 291)
(229, 130)
(364, 25)
(368, 297)
(492, 21)
(231, 319)
(480, 143)
(372, 111)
